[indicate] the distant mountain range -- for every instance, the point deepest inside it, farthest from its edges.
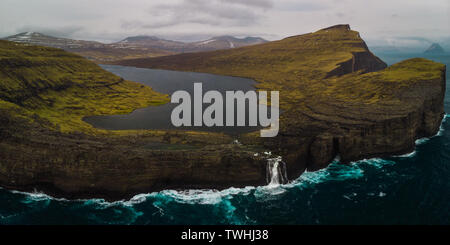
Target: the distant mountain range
(36, 38)
(132, 47)
(215, 43)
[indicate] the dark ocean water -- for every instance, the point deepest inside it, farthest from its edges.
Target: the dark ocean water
(409, 189)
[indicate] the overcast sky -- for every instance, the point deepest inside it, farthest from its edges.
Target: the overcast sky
(379, 21)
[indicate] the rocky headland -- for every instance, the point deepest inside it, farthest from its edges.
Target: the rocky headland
(337, 98)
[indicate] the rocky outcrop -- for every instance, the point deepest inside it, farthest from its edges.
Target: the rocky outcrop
(360, 61)
(435, 48)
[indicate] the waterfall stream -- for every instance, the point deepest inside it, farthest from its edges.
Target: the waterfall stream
(276, 172)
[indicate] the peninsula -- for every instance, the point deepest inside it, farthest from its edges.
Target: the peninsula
(337, 98)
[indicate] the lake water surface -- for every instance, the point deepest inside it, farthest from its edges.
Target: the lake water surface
(167, 82)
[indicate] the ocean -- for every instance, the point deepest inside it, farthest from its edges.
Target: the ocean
(408, 189)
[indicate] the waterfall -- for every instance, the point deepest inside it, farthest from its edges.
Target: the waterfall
(276, 172)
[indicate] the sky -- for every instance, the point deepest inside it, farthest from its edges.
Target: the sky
(380, 22)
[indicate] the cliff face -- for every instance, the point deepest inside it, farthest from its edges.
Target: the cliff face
(360, 61)
(45, 145)
(337, 98)
(391, 115)
(393, 135)
(77, 165)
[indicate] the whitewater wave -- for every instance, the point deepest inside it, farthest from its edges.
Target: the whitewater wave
(408, 155)
(334, 172)
(206, 196)
(338, 172)
(424, 140)
(441, 128)
(36, 196)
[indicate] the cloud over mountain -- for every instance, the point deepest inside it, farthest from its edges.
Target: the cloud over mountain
(113, 20)
(207, 12)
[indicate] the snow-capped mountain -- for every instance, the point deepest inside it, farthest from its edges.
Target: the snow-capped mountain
(131, 47)
(215, 43)
(36, 38)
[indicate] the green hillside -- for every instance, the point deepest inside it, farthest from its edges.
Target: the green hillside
(62, 87)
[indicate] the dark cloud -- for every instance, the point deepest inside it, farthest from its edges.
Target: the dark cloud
(340, 14)
(303, 6)
(226, 13)
(252, 3)
(111, 19)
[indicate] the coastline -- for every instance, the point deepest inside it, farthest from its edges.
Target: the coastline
(371, 111)
(141, 197)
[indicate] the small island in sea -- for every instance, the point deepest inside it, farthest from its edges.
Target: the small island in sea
(435, 48)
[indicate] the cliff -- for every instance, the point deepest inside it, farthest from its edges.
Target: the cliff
(337, 98)
(76, 165)
(45, 144)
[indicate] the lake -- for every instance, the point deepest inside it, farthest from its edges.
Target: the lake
(167, 82)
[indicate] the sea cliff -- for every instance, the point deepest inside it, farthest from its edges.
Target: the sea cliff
(337, 98)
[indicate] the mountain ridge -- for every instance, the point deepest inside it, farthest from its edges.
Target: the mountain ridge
(141, 46)
(214, 43)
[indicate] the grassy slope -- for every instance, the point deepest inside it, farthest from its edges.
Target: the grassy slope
(109, 54)
(378, 87)
(63, 88)
(300, 67)
(295, 65)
